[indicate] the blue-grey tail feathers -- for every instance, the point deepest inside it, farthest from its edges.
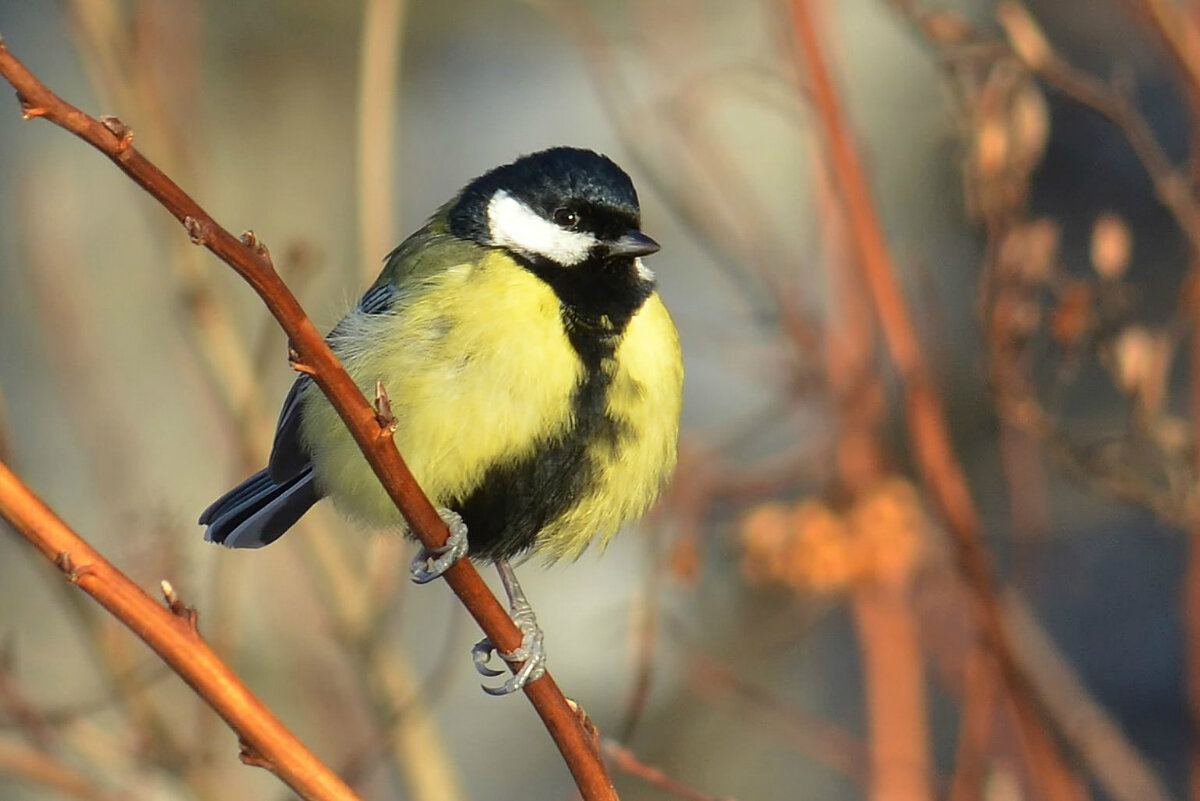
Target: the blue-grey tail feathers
(257, 511)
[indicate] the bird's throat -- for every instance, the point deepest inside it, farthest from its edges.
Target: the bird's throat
(599, 296)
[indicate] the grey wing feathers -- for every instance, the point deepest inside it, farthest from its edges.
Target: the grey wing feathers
(288, 456)
(260, 509)
(377, 299)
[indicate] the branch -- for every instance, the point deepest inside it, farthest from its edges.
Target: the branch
(625, 760)
(814, 738)
(380, 55)
(251, 261)
(1124, 773)
(40, 767)
(1031, 47)
(927, 429)
(171, 632)
(1174, 29)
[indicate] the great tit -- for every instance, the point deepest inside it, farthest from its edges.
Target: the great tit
(534, 374)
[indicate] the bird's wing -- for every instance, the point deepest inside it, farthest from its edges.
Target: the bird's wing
(427, 252)
(288, 456)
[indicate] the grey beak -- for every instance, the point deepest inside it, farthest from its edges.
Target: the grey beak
(633, 243)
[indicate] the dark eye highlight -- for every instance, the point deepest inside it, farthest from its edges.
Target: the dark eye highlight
(566, 218)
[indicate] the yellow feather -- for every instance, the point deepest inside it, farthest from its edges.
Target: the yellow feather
(645, 395)
(478, 367)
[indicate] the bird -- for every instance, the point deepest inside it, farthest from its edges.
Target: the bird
(533, 373)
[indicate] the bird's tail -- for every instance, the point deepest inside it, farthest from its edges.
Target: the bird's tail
(257, 511)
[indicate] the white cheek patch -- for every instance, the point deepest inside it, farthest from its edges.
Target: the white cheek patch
(514, 225)
(644, 272)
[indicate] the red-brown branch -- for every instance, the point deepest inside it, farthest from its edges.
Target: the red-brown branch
(929, 435)
(250, 260)
(173, 637)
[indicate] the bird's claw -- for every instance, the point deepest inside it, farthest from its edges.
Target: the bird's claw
(482, 654)
(431, 563)
(530, 655)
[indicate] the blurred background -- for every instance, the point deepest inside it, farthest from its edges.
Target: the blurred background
(795, 619)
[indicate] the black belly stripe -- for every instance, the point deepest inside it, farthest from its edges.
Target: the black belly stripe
(516, 499)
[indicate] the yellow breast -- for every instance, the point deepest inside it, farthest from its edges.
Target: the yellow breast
(476, 365)
(478, 368)
(645, 397)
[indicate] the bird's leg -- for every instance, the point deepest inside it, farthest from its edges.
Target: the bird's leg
(530, 654)
(430, 563)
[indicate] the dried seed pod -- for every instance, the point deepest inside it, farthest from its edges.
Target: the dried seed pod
(1024, 35)
(1140, 362)
(765, 531)
(822, 557)
(1030, 122)
(1007, 130)
(1112, 243)
(1015, 316)
(888, 525)
(1132, 352)
(1072, 318)
(1029, 253)
(946, 27)
(990, 155)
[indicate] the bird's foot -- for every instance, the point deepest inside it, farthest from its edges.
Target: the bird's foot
(430, 563)
(530, 654)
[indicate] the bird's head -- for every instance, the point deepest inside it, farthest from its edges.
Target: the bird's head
(566, 207)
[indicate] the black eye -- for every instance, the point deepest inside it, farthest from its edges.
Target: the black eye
(566, 218)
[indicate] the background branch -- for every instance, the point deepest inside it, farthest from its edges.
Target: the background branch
(39, 767)
(927, 428)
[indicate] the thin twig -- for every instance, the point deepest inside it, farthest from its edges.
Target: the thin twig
(825, 742)
(58, 717)
(250, 260)
(644, 629)
(41, 768)
(1170, 184)
(1173, 29)
(27, 717)
(976, 723)
(1120, 769)
(624, 760)
(105, 35)
(378, 97)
